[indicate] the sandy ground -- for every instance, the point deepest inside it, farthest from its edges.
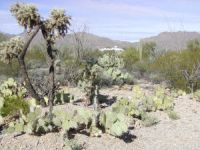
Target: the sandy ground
(182, 134)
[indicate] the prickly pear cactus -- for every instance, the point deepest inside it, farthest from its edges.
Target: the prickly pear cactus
(11, 88)
(162, 101)
(141, 103)
(127, 107)
(114, 123)
(196, 95)
(26, 124)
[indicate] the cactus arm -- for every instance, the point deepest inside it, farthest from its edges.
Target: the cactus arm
(26, 45)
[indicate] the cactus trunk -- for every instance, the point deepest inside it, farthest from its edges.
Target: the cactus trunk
(26, 78)
(51, 78)
(23, 69)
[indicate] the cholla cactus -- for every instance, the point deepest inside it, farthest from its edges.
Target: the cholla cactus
(59, 21)
(109, 60)
(112, 66)
(11, 49)
(56, 26)
(108, 65)
(89, 80)
(26, 15)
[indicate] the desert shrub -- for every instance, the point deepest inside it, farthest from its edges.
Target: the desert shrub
(193, 45)
(91, 54)
(72, 69)
(11, 98)
(172, 66)
(173, 115)
(141, 67)
(10, 70)
(12, 105)
(148, 50)
(148, 120)
(73, 144)
(130, 57)
(137, 61)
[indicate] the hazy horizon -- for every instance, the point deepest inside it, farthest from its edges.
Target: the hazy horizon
(123, 20)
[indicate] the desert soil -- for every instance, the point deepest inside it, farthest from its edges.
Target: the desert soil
(181, 134)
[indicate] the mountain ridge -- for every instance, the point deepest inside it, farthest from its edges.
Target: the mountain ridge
(172, 40)
(164, 40)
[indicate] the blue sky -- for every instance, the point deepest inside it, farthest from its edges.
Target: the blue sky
(127, 20)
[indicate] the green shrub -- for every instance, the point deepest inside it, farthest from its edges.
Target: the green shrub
(172, 65)
(72, 69)
(148, 50)
(91, 54)
(130, 57)
(173, 115)
(148, 120)
(11, 98)
(142, 67)
(12, 105)
(73, 144)
(10, 70)
(193, 45)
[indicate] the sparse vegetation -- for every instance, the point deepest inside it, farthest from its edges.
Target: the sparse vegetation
(44, 95)
(179, 69)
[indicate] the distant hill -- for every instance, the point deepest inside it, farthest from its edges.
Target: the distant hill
(4, 36)
(88, 41)
(172, 40)
(164, 41)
